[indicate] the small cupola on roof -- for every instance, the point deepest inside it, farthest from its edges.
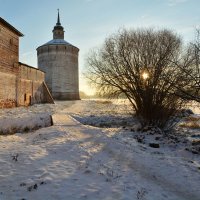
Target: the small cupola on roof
(58, 31)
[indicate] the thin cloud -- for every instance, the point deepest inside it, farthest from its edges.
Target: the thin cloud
(175, 2)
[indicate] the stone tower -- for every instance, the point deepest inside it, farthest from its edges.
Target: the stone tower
(59, 60)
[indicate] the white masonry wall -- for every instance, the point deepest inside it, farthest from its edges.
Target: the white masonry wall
(60, 63)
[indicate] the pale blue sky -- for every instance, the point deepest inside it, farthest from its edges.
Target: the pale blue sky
(88, 22)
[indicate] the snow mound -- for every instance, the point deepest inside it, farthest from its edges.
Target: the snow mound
(24, 123)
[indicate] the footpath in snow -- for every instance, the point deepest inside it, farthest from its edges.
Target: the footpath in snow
(70, 160)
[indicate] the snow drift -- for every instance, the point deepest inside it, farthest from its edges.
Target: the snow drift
(24, 123)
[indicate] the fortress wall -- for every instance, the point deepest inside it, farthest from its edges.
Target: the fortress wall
(30, 87)
(20, 84)
(9, 50)
(7, 90)
(24, 88)
(9, 47)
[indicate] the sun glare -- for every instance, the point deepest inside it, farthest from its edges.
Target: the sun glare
(145, 75)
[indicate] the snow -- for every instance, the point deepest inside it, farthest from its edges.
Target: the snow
(91, 152)
(23, 119)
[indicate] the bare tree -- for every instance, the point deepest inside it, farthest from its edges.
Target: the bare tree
(192, 70)
(196, 53)
(142, 65)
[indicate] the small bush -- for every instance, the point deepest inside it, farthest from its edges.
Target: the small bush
(26, 129)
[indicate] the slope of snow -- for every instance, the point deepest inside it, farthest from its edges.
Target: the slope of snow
(24, 123)
(23, 119)
(74, 161)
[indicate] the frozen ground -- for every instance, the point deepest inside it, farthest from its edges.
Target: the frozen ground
(104, 159)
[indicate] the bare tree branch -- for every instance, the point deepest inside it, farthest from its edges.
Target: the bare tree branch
(147, 67)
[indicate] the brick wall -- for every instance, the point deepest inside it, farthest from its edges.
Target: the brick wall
(31, 89)
(20, 84)
(24, 88)
(7, 90)
(9, 50)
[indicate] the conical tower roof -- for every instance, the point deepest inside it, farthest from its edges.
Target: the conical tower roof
(58, 35)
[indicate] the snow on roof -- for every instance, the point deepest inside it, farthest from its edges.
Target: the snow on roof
(57, 41)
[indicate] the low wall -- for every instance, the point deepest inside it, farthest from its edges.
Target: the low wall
(23, 88)
(29, 85)
(7, 90)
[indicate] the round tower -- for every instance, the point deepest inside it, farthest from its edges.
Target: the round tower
(59, 60)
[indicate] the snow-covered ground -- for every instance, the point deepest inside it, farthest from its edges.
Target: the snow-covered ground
(94, 151)
(24, 119)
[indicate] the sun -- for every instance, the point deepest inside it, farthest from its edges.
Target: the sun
(145, 75)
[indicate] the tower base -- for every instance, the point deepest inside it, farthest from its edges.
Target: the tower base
(65, 96)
